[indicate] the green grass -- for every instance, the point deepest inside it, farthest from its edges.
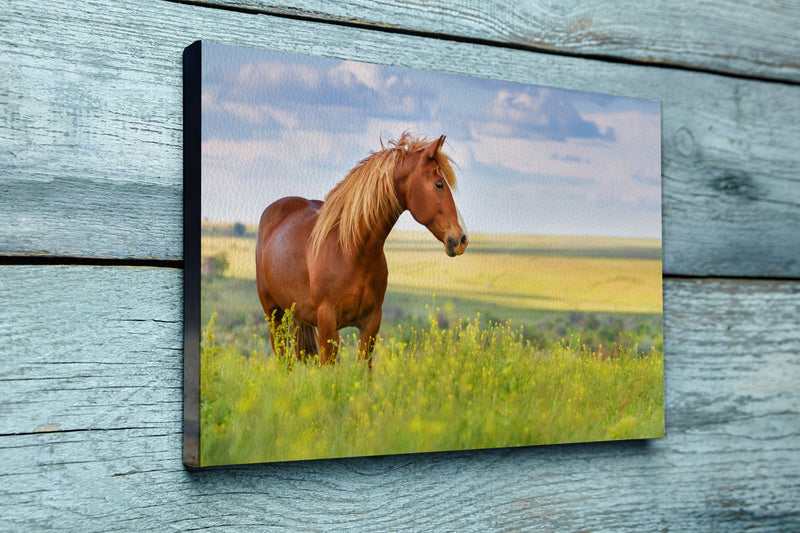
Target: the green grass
(474, 385)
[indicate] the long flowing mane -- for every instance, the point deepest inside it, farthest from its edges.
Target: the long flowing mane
(366, 197)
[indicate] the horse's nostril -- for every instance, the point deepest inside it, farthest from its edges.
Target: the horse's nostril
(463, 239)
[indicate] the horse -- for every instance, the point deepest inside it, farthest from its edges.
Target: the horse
(325, 260)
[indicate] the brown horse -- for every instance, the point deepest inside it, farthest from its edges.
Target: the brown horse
(326, 258)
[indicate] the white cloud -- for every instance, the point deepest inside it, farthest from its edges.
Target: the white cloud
(261, 114)
(634, 151)
(229, 150)
(241, 177)
(276, 72)
(391, 129)
(348, 74)
(521, 107)
(294, 146)
(583, 177)
(208, 101)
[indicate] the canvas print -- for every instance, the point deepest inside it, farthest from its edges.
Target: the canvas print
(383, 260)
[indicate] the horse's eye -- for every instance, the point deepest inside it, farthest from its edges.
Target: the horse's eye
(440, 185)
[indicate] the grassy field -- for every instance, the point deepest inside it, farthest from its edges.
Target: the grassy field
(518, 277)
(470, 386)
(522, 340)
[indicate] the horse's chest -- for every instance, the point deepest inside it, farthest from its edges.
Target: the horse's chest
(356, 292)
(362, 299)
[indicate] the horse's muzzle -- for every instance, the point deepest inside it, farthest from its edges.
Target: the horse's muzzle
(454, 247)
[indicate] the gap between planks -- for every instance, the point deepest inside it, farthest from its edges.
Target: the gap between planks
(54, 260)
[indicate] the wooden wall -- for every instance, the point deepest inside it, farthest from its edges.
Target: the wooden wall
(91, 268)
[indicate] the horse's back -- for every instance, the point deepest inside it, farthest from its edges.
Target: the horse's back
(278, 210)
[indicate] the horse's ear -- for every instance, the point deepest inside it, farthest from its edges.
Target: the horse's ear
(434, 147)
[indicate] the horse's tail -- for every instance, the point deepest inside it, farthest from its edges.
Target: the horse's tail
(306, 341)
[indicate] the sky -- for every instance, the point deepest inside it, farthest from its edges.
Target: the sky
(528, 159)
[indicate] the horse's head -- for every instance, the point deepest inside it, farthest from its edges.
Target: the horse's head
(427, 181)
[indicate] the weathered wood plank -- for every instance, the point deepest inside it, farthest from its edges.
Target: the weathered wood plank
(748, 38)
(92, 153)
(57, 366)
(90, 433)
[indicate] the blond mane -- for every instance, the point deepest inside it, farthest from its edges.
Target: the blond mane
(367, 194)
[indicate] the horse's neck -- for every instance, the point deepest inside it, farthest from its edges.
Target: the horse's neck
(376, 238)
(401, 172)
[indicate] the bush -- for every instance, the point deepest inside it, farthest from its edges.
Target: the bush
(215, 265)
(239, 230)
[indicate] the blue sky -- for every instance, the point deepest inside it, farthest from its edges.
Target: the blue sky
(531, 160)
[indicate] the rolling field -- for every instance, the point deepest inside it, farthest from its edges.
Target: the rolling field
(509, 276)
(522, 340)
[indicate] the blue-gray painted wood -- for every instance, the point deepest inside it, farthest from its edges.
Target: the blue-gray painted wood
(750, 38)
(93, 130)
(90, 373)
(91, 358)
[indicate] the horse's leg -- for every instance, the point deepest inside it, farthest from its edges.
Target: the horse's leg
(328, 334)
(367, 334)
(306, 341)
(273, 312)
(275, 318)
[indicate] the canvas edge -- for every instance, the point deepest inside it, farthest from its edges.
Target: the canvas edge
(192, 108)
